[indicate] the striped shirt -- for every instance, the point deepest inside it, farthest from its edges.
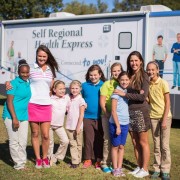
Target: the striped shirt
(40, 83)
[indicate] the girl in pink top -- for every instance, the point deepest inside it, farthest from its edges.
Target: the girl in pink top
(74, 123)
(59, 105)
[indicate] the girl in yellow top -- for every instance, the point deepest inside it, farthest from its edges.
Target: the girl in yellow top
(161, 119)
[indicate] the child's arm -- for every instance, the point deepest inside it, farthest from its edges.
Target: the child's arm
(103, 104)
(166, 110)
(11, 110)
(80, 119)
(115, 117)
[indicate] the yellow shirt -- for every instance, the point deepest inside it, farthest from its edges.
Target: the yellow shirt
(156, 97)
(106, 90)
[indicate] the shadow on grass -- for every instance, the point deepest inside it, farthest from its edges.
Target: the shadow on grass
(176, 123)
(6, 157)
(2, 101)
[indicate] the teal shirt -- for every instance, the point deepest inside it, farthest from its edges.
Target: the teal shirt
(22, 93)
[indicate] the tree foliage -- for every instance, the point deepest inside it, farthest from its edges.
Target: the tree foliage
(78, 8)
(18, 9)
(135, 5)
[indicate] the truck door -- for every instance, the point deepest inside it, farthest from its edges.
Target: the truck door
(127, 38)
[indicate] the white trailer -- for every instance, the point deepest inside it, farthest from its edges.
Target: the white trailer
(77, 42)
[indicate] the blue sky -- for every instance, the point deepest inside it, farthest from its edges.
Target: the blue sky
(109, 2)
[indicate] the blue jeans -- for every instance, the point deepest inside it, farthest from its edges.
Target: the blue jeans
(176, 73)
(161, 67)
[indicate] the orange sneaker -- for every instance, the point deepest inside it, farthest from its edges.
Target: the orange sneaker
(98, 165)
(87, 163)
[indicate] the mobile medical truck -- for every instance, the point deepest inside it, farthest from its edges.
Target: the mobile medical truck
(77, 42)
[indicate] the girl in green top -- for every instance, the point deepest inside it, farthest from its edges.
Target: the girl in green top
(105, 103)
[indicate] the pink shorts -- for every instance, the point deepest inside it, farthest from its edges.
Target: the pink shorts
(39, 113)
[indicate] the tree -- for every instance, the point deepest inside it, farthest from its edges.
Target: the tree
(134, 5)
(78, 8)
(102, 7)
(18, 9)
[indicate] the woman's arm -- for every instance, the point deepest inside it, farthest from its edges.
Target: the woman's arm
(8, 85)
(136, 97)
(80, 119)
(50, 92)
(115, 117)
(12, 111)
(166, 110)
(140, 96)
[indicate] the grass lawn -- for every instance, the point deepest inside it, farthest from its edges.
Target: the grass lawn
(62, 171)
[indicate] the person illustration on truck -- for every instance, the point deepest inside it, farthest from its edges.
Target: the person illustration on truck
(160, 54)
(176, 63)
(10, 63)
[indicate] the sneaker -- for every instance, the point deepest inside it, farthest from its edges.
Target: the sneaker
(53, 160)
(98, 165)
(165, 176)
(116, 172)
(38, 163)
(122, 174)
(173, 87)
(74, 166)
(141, 173)
(178, 88)
(155, 175)
(135, 171)
(87, 163)
(106, 170)
(45, 163)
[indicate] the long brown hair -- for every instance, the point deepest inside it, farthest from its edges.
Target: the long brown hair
(98, 68)
(137, 80)
(51, 62)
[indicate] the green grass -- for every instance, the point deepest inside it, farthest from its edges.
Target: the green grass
(62, 171)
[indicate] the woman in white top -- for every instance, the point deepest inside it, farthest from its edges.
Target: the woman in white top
(41, 78)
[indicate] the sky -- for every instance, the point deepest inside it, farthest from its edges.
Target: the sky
(109, 2)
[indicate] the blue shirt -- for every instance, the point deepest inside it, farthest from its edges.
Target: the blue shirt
(176, 56)
(122, 108)
(22, 93)
(91, 95)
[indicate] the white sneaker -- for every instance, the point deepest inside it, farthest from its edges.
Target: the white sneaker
(135, 171)
(141, 173)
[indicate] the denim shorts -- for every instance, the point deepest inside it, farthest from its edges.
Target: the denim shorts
(117, 140)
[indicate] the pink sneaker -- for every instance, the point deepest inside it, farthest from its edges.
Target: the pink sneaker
(38, 163)
(45, 163)
(98, 165)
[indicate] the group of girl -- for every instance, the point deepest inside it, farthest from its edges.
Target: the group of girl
(104, 111)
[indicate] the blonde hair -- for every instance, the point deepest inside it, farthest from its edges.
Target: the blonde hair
(75, 82)
(116, 64)
(55, 84)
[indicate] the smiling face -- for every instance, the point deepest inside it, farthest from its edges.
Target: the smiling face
(60, 90)
(75, 89)
(135, 63)
(116, 70)
(153, 71)
(24, 72)
(94, 76)
(42, 58)
(124, 81)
